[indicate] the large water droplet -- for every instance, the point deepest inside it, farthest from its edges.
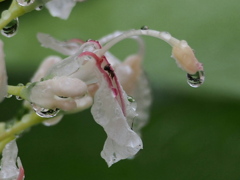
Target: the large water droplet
(195, 80)
(45, 113)
(25, 2)
(10, 29)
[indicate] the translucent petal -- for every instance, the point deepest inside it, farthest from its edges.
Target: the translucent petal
(9, 169)
(66, 48)
(142, 95)
(60, 8)
(122, 142)
(3, 74)
(44, 67)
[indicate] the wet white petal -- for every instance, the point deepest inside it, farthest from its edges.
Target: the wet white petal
(59, 92)
(60, 8)
(3, 74)
(44, 67)
(66, 48)
(9, 170)
(122, 142)
(135, 83)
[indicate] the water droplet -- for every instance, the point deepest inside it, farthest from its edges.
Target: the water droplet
(130, 99)
(19, 98)
(195, 80)
(45, 113)
(144, 28)
(20, 84)
(166, 35)
(39, 8)
(133, 102)
(11, 29)
(8, 96)
(53, 121)
(25, 2)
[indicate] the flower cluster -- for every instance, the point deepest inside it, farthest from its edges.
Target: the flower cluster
(91, 76)
(118, 92)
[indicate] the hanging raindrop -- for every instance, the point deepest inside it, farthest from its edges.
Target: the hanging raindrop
(195, 80)
(45, 113)
(11, 29)
(25, 2)
(8, 96)
(18, 97)
(39, 8)
(144, 28)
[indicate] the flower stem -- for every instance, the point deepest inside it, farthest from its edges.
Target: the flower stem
(26, 122)
(15, 10)
(161, 35)
(17, 91)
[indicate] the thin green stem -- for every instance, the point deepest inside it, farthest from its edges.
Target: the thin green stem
(26, 122)
(15, 90)
(15, 10)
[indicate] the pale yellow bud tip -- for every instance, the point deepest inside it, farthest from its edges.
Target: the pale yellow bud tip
(185, 58)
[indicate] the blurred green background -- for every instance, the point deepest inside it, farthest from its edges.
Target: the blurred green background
(193, 134)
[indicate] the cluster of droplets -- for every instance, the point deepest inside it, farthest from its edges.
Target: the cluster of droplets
(195, 80)
(45, 113)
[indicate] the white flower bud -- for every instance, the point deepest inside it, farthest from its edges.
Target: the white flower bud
(44, 67)
(59, 92)
(185, 58)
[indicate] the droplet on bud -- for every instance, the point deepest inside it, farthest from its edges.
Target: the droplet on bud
(195, 80)
(45, 113)
(25, 2)
(11, 29)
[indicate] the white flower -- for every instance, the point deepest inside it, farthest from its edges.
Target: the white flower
(61, 8)
(9, 169)
(3, 74)
(91, 72)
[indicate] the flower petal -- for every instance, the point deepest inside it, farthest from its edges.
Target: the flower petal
(122, 142)
(60, 8)
(9, 170)
(66, 48)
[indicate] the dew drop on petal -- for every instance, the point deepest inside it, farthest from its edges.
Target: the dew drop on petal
(132, 102)
(45, 113)
(195, 80)
(25, 2)
(130, 99)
